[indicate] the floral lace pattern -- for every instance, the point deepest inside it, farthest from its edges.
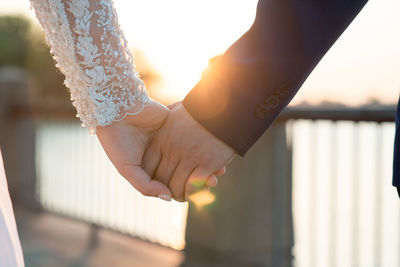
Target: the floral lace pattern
(91, 51)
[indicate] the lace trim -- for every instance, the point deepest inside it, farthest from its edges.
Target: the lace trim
(103, 82)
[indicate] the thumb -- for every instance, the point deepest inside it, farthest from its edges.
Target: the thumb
(140, 180)
(174, 105)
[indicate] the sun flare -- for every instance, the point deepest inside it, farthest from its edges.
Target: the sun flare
(179, 37)
(202, 198)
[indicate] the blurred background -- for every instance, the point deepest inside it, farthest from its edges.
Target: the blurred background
(314, 191)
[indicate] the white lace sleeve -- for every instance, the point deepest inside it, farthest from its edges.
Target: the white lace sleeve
(91, 51)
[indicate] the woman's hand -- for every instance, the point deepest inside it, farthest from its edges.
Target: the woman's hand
(126, 141)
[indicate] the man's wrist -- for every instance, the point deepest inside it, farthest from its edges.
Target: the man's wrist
(187, 112)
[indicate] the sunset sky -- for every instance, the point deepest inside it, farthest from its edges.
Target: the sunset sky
(179, 36)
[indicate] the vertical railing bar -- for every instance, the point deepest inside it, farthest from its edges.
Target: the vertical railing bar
(123, 208)
(95, 183)
(378, 198)
(133, 211)
(313, 194)
(79, 169)
(107, 197)
(117, 208)
(38, 168)
(68, 146)
(103, 210)
(88, 153)
(398, 243)
(333, 197)
(136, 214)
(82, 173)
(127, 208)
(356, 194)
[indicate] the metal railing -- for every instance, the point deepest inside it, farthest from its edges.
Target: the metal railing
(77, 180)
(345, 211)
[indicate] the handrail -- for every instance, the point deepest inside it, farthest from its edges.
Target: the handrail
(372, 114)
(357, 114)
(54, 112)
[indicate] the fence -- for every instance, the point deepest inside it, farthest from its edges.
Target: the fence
(345, 211)
(76, 179)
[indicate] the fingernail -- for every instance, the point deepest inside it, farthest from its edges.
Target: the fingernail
(165, 197)
(213, 181)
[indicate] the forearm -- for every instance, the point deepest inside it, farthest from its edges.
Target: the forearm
(259, 75)
(91, 51)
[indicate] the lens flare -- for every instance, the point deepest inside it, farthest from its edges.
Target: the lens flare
(202, 198)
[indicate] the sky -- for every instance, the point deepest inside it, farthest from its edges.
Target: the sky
(177, 37)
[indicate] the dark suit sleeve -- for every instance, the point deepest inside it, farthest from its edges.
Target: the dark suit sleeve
(244, 92)
(396, 157)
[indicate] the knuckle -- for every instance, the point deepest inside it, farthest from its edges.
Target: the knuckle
(145, 192)
(190, 158)
(177, 193)
(207, 158)
(123, 170)
(180, 199)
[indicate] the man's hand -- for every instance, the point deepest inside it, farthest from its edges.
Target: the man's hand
(183, 152)
(125, 143)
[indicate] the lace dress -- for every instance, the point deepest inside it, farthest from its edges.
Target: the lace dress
(90, 50)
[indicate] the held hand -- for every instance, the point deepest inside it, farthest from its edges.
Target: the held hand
(125, 143)
(183, 152)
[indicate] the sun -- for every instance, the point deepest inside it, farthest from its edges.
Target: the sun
(179, 37)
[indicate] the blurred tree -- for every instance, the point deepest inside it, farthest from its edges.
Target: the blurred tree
(13, 41)
(49, 81)
(23, 45)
